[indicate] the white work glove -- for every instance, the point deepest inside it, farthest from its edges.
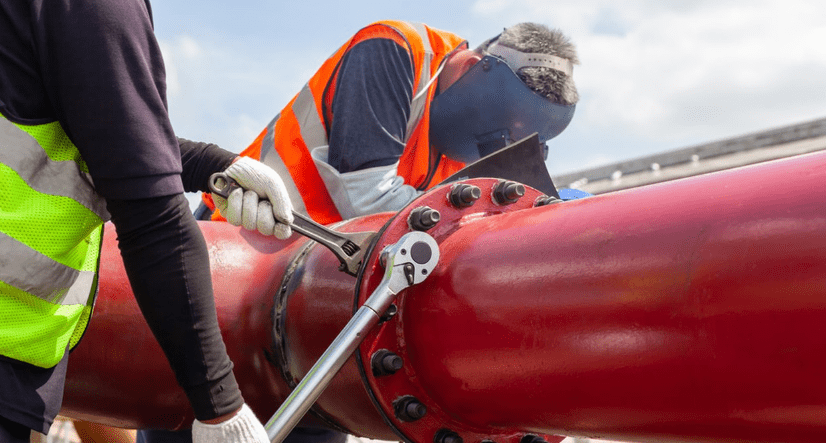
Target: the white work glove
(243, 207)
(244, 427)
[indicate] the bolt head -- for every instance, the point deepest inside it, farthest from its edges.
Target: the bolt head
(463, 195)
(545, 200)
(384, 363)
(391, 312)
(392, 362)
(531, 438)
(506, 192)
(415, 410)
(409, 408)
(447, 436)
(423, 218)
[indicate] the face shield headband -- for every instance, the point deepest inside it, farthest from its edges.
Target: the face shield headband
(489, 107)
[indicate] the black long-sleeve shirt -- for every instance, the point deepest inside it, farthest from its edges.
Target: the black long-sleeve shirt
(96, 67)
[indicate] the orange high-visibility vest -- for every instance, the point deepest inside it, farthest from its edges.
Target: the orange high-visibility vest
(286, 142)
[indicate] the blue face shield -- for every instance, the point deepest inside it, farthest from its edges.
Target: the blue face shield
(488, 108)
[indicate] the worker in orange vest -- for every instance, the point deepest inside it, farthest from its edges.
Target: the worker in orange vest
(394, 111)
(401, 106)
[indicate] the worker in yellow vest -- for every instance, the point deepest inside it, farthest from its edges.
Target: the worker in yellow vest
(84, 138)
(401, 106)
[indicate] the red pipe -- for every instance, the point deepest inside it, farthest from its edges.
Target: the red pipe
(691, 310)
(118, 375)
(688, 310)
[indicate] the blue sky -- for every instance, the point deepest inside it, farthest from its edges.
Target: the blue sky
(655, 75)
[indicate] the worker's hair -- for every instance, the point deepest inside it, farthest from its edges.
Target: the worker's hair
(537, 38)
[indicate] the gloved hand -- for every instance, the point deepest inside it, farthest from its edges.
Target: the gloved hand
(244, 207)
(244, 427)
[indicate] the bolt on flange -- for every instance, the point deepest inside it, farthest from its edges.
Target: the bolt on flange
(423, 218)
(409, 408)
(446, 436)
(507, 192)
(531, 438)
(545, 200)
(463, 195)
(385, 362)
(391, 312)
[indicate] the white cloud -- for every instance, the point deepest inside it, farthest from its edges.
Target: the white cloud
(680, 72)
(189, 47)
(180, 57)
(173, 86)
(223, 95)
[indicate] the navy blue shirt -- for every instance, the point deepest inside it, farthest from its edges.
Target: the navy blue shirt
(371, 106)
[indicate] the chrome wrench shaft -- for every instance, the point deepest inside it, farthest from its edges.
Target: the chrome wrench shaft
(407, 262)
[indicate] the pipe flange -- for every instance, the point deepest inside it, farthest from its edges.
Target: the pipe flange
(386, 390)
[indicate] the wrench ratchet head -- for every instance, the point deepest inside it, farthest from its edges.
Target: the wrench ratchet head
(410, 260)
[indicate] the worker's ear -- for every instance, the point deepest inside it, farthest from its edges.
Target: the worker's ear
(456, 66)
(466, 60)
(471, 60)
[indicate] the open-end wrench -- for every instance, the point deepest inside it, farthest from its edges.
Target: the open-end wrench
(349, 247)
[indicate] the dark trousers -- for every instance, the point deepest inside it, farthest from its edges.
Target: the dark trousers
(11, 432)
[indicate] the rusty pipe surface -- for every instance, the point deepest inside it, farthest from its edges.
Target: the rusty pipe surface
(688, 310)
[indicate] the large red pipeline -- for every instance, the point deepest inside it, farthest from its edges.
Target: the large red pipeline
(684, 311)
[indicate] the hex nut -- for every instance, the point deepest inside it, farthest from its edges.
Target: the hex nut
(545, 200)
(384, 362)
(409, 408)
(446, 436)
(507, 192)
(463, 195)
(423, 218)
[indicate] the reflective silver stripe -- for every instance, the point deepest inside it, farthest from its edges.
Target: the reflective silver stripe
(270, 157)
(420, 96)
(420, 28)
(22, 153)
(312, 132)
(28, 270)
(312, 128)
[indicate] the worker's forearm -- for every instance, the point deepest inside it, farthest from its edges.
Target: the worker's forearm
(168, 267)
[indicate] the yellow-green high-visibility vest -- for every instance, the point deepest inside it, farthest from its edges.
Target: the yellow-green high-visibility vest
(50, 237)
